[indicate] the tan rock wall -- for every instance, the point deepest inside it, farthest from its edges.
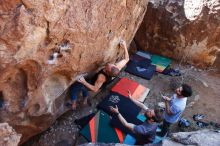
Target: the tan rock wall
(44, 44)
(182, 30)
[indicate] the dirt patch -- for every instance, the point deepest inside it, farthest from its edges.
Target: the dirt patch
(205, 100)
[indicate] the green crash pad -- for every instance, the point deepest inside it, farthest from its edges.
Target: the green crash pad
(141, 117)
(161, 62)
(99, 130)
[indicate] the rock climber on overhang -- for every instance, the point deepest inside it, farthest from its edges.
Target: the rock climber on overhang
(100, 80)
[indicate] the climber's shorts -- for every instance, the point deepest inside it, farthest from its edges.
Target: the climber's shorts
(76, 88)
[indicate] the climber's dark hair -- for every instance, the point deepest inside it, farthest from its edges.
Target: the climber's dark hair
(187, 90)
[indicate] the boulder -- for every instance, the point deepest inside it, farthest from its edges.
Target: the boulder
(185, 30)
(44, 45)
(200, 138)
(8, 136)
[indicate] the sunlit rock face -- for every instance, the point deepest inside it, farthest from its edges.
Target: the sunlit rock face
(184, 30)
(45, 44)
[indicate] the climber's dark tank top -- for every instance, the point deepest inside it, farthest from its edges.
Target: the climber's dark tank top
(94, 78)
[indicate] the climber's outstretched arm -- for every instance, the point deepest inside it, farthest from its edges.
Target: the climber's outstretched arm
(123, 62)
